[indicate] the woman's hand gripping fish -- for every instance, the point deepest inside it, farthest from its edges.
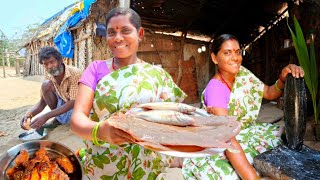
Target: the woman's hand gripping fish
(169, 117)
(180, 107)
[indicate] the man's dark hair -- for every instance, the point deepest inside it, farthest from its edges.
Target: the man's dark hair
(47, 52)
(134, 16)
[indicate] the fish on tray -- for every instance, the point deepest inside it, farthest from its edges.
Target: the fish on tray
(180, 107)
(169, 117)
(164, 137)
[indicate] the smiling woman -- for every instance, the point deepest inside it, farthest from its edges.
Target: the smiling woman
(235, 91)
(113, 85)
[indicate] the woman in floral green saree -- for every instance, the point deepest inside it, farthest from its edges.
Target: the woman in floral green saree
(234, 90)
(119, 84)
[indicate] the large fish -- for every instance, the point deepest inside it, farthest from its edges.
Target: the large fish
(180, 107)
(169, 117)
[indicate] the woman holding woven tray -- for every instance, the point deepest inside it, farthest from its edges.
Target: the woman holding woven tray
(109, 86)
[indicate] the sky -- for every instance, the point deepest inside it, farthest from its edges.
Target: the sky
(16, 15)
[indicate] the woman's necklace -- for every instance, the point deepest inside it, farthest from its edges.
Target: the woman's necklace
(221, 77)
(114, 67)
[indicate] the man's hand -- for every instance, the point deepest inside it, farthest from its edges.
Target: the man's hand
(25, 122)
(38, 122)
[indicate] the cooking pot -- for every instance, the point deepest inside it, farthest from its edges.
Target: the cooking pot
(55, 148)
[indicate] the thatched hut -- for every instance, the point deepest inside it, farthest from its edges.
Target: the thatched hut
(165, 50)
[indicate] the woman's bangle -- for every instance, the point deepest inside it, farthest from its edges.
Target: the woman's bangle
(276, 86)
(94, 134)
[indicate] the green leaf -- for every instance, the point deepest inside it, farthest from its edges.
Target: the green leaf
(110, 99)
(152, 176)
(105, 177)
(314, 67)
(120, 165)
(135, 152)
(134, 70)
(100, 103)
(106, 83)
(308, 63)
(127, 74)
(177, 92)
(138, 174)
(224, 165)
(96, 94)
(127, 149)
(156, 163)
(97, 162)
(146, 85)
(111, 108)
(107, 151)
(112, 92)
(82, 152)
(90, 151)
(104, 159)
(160, 80)
(113, 158)
(115, 75)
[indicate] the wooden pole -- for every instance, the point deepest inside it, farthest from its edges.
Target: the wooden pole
(3, 37)
(17, 65)
(3, 65)
(8, 58)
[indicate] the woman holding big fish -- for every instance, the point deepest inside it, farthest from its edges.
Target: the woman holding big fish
(109, 86)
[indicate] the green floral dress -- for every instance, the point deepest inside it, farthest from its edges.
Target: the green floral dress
(121, 90)
(254, 138)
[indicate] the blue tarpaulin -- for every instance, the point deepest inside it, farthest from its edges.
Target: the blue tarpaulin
(64, 40)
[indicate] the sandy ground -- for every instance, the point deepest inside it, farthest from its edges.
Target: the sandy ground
(17, 96)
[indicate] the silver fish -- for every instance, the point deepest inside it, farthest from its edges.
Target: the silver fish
(180, 107)
(169, 117)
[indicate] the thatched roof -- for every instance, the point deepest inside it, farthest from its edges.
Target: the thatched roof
(50, 27)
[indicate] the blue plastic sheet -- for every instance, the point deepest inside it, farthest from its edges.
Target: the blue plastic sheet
(64, 40)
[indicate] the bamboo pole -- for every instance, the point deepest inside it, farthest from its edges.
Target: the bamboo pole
(8, 58)
(17, 64)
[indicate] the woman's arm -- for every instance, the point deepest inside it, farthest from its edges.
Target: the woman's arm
(217, 111)
(82, 126)
(274, 91)
(240, 163)
(238, 160)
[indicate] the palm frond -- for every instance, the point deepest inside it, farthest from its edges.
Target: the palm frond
(308, 63)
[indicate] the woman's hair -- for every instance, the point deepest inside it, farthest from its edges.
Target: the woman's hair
(134, 16)
(47, 52)
(216, 43)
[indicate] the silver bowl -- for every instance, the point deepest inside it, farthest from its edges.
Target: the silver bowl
(55, 148)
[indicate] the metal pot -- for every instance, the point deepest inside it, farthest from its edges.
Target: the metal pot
(7, 159)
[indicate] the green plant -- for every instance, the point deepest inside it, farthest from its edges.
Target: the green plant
(308, 62)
